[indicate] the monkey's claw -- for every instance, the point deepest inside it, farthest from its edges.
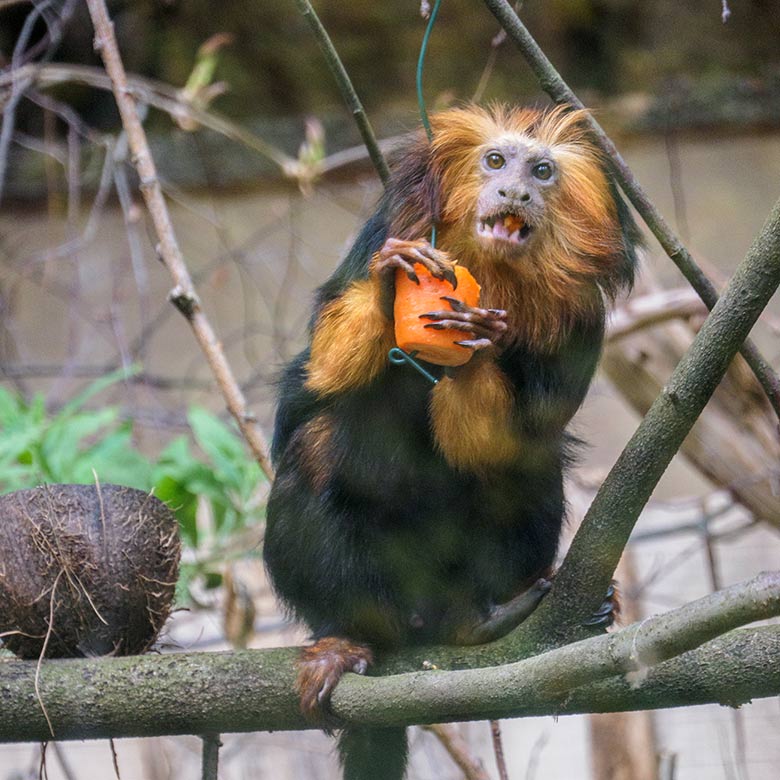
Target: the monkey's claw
(609, 610)
(320, 668)
(485, 326)
(396, 253)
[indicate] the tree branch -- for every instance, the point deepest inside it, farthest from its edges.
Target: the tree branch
(552, 83)
(458, 750)
(254, 690)
(154, 93)
(497, 692)
(585, 573)
(345, 87)
(184, 296)
(655, 308)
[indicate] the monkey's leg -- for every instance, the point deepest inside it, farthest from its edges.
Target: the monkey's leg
(320, 668)
(502, 618)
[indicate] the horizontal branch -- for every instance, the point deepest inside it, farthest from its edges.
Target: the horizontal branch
(157, 94)
(498, 692)
(253, 690)
(652, 309)
(170, 100)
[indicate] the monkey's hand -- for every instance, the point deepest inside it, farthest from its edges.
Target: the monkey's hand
(482, 327)
(395, 254)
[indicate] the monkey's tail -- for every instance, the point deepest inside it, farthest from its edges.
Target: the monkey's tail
(373, 754)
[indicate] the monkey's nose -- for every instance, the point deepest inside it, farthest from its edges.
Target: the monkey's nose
(523, 197)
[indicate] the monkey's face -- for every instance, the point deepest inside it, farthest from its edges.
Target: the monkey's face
(518, 175)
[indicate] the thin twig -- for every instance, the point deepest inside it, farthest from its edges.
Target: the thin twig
(114, 758)
(43, 770)
(498, 39)
(498, 749)
(155, 93)
(345, 86)
(18, 86)
(458, 750)
(168, 99)
(552, 83)
(184, 296)
(210, 756)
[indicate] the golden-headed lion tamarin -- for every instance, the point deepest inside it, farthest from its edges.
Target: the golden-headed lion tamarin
(404, 512)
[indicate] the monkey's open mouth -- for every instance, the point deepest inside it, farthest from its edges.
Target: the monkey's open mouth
(505, 227)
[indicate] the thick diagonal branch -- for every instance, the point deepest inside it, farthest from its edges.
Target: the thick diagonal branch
(596, 549)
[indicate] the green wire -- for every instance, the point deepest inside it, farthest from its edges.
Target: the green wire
(396, 355)
(420, 99)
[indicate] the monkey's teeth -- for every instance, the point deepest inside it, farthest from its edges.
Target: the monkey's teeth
(500, 231)
(494, 228)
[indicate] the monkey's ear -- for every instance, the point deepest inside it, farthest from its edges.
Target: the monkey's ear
(412, 201)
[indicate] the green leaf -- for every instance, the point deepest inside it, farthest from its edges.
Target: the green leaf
(10, 408)
(183, 503)
(63, 441)
(221, 445)
(96, 387)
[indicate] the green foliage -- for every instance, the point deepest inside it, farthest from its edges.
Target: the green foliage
(207, 478)
(36, 447)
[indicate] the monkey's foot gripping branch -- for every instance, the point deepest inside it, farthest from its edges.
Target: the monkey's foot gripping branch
(320, 668)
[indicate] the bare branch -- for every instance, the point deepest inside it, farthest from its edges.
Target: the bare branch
(154, 93)
(498, 749)
(184, 296)
(458, 750)
(497, 692)
(653, 309)
(345, 86)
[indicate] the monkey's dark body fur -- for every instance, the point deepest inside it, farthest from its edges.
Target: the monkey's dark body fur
(397, 528)
(382, 529)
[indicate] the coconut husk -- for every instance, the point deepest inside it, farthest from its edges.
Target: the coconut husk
(85, 570)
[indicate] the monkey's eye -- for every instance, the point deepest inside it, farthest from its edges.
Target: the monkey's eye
(494, 160)
(542, 170)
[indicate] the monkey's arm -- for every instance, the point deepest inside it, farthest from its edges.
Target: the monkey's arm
(353, 332)
(350, 340)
